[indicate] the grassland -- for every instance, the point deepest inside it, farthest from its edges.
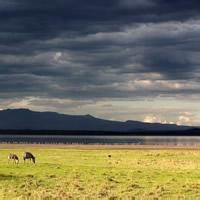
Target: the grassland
(88, 173)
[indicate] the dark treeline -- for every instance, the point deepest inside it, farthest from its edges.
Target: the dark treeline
(190, 132)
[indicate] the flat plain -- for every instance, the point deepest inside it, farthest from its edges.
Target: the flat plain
(101, 172)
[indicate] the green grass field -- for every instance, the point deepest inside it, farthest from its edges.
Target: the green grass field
(91, 174)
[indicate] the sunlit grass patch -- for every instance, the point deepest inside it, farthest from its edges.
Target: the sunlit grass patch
(102, 174)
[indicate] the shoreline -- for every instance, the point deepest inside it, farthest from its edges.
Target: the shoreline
(100, 146)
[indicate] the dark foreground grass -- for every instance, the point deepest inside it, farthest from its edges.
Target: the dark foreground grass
(91, 174)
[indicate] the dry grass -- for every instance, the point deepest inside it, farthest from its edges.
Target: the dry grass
(71, 173)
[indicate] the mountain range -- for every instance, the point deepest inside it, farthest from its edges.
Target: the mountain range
(25, 119)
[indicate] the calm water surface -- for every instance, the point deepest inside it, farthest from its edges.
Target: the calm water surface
(75, 139)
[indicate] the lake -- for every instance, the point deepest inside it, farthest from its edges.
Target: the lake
(88, 139)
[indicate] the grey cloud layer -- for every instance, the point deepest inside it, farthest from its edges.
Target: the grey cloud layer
(99, 49)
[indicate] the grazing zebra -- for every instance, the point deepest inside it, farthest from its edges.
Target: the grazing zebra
(28, 156)
(13, 157)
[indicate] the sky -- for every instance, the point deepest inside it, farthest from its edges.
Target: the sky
(113, 59)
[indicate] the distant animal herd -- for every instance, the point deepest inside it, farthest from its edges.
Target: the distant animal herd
(26, 156)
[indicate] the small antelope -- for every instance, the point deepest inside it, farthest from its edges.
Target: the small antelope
(28, 156)
(13, 157)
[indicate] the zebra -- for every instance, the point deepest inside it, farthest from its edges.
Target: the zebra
(13, 157)
(29, 156)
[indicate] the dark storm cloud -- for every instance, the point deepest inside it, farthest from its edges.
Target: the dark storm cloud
(44, 19)
(92, 49)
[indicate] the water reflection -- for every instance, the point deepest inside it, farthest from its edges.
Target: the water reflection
(75, 139)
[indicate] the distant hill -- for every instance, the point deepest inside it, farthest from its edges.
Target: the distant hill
(24, 119)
